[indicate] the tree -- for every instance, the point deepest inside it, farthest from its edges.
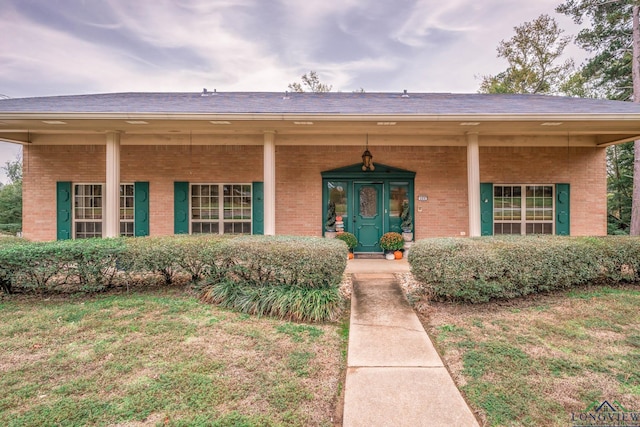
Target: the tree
(619, 187)
(11, 197)
(311, 82)
(533, 54)
(13, 170)
(614, 39)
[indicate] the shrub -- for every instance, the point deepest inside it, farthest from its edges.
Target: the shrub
(289, 277)
(170, 256)
(348, 238)
(405, 216)
(391, 241)
(480, 269)
(158, 255)
(81, 264)
(91, 262)
(284, 276)
(330, 222)
(11, 229)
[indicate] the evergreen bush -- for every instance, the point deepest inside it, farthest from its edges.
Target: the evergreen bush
(480, 269)
(348, 238)
(284, 276)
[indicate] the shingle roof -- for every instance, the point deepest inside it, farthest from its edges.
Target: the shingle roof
(316, 103)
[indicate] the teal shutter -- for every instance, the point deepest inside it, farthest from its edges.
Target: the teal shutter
(63, 208)
(563, 198)
(257, 216)
(181, 207)
(141, 203)
(486, 209)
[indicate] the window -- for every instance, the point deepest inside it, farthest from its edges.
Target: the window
(221, 208)
(126, 210)
(338, 195)
(398, 193)
(87, 210)
(523, 209)
(88, 203)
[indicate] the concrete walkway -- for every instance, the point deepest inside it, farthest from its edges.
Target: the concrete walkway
(394, 375)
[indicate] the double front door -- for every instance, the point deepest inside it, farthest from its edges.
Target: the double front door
(367, 202)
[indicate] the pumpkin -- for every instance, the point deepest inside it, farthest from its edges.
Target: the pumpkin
(350, 256)
(397, 254)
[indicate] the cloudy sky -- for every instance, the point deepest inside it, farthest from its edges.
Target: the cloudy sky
(55, 47)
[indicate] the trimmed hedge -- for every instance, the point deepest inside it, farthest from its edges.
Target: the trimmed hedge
(292, 277)
(82, 265)
(480, 269)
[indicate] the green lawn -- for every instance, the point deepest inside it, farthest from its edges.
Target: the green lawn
(162, 358)
(535, 361)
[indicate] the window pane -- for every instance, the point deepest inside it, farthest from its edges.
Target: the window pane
(205, 205)
(506, 228)
(539, 206)
(368, 202)
(126, 201)
(338, 195)
(399, 193)
(507, 203)
(237, 228)
(126, 229)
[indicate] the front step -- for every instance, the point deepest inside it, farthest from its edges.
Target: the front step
(368, 255)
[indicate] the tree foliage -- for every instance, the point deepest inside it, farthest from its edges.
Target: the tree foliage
(11, 197)
(608, 37)
(13, 170)
(310, 82)
(619, 187)
(612, 36)
(533, 55)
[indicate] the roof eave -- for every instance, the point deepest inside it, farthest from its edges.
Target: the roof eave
(321, 116)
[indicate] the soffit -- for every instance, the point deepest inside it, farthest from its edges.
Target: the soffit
(604, 129)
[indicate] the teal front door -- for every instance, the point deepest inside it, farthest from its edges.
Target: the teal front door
(368, 219)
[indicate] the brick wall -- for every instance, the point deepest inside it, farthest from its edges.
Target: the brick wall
(583, 168)
(440, 175)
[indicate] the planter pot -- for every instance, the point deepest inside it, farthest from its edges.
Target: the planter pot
(407, 236)
(330, 234)
(389, 256)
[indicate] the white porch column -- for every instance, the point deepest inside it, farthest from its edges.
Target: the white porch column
(111, 212)
(269, 183)
(473, 184)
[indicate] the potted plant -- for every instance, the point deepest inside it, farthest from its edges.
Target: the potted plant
(391, 242)
(407, 222)
(350, 240)
(330, 222)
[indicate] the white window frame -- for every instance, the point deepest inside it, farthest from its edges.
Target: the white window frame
(523, 209)
(102, 220)
(221, 220)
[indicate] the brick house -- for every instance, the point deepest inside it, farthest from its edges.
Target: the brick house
(270, 163)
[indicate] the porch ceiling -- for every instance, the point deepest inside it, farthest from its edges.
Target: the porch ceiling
(603, 129)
